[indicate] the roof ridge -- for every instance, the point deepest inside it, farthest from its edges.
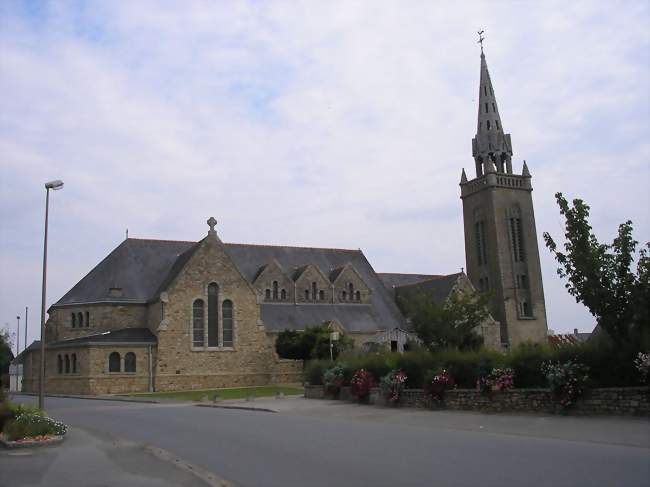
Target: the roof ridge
(411, 274)
(161, 240)
(293, 247)
(246, 244)
(437, 278)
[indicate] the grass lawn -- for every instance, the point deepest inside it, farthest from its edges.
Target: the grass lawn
(236, 393)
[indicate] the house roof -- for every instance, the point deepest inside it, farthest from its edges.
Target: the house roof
(125, 336)
(355, 318)
(144, 268)
(18, 359)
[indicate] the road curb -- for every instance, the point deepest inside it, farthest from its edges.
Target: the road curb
(205, 475)
(244, 408)
(13, 445)
(91, 398)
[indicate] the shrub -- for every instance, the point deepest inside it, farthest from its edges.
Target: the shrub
(526, 361)
(415, 365)
(436, 383)
(392, 385)
(375, 364)
(642, 364)
(466, 367)
(29, 425)
(361, 383)
(497, 380)
(333, 379)
(567, 380)
(314, 371)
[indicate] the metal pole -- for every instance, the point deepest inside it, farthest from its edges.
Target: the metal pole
(17, 335)
(26, 312)
(41, 380)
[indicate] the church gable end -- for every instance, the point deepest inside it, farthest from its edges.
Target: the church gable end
(312, 286)
(349, 286)
(273, 284)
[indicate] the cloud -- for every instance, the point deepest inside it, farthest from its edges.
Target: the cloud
(335, 124)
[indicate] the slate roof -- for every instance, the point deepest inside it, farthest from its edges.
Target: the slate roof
(356, 318)
(438, 287)
(35, 345)
(391, 279)
(144, 268)
(125, 336)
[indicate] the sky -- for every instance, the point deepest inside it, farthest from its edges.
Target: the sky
(340, 124)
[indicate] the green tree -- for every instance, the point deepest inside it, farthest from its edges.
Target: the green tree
(312, 343)
(449, 325)
(600, 276)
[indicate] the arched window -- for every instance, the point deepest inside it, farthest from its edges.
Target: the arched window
(213, 315)
(488, 125)
(67, 364)
(87, 319)
(351, 291)
(198, 316)
(275, 290)
(74, 363)
(357, 296)
(321, 295)
(267, 294)
(73, 320)
(306, 294)
(343, 295)
(313, 291)
(283, 295)
(80, 319)
(114, 362)
(60, 363)
(226, 311)
(486, 109)
(129, 362)
(496, 123)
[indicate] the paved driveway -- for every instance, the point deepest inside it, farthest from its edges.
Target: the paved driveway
(312, 442)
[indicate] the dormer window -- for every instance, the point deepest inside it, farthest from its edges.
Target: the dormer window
(267, 294)
(275, 290)
(283, 295)
(321, 295)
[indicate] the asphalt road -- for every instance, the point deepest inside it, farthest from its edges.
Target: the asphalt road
(318, 444)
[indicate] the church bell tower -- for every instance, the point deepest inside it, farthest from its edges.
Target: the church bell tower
(500, 235)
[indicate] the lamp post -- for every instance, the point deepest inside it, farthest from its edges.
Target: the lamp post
(17, 335)
(54, 185)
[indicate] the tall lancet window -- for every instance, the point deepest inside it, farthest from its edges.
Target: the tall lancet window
(481, 242)
(226, 310)
(213, 315)
(198, 327)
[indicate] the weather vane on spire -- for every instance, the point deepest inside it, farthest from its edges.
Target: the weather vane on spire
(480, 39)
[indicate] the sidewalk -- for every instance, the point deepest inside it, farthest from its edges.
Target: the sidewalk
(91, 459)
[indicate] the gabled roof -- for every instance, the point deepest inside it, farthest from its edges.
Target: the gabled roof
(392, 279)
(144, 268)
(438, 287)
(138, 267)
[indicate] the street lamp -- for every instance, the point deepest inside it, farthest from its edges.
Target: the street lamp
(54, 185)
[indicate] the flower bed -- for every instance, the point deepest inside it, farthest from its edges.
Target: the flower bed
(28, 426)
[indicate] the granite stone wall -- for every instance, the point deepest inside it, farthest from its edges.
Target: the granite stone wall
(627, 401)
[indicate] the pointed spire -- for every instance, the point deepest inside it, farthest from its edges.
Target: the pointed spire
(490, 141)
(525, 172)
(463, 177)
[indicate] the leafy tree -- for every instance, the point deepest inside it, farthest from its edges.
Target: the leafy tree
(6, 355)
(313, 342)
(600, 276)
(451, 324)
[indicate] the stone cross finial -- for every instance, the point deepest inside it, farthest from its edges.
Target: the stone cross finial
(212, 222)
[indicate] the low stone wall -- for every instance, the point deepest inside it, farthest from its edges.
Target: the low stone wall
(628, 401)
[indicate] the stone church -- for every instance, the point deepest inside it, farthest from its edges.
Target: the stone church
(167, 315)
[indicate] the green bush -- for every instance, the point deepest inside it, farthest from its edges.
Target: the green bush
(29, 425)
(314, 371)
(415, 366)
(376, 364)
(465, 367)
(526, 360)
